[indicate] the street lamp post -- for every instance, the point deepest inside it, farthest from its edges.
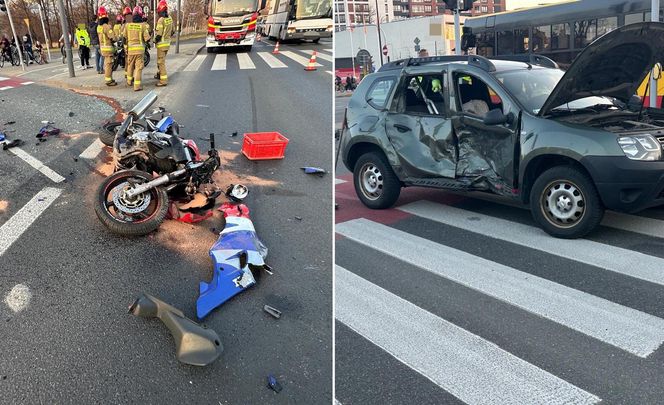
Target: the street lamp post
(65, 37)
(177, 35)
(11, 23)
(46, 39)
(457, 29)
(654, 16)
(380, 42)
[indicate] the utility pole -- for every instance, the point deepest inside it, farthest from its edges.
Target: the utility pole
(349, 28)
(177, 34)
(380, 42)
(65, 36)
(46, 39)
(457, 30)
(11, 23)
(654, 16)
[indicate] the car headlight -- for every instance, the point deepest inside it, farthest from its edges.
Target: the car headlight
(641, 147)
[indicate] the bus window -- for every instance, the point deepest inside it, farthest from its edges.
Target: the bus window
(605, 25)
(541, 38)
(505, 43)
(560, 36)
(584, 32)
(485, 43)
(521, 40)
(633, 18)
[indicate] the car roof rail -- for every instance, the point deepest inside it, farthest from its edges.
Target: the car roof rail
(532, 59)
(481, 62)
(400, 64)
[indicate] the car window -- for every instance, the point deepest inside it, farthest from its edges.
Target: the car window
(423, 95)
(531, 88)
(474, 97)
(379, 92)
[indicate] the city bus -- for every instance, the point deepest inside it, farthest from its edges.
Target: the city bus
(299, 20)
(232, 23)
(558, 31)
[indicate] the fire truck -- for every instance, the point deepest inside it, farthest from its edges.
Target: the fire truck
(232, 23)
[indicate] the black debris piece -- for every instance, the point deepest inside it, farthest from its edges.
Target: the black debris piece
(71, 114)
(12, 144)
(298, 218)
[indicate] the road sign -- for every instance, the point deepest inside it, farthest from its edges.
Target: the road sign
(416, 40)
(385, 50)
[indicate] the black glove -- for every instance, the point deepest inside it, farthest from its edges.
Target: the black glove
(157, 39)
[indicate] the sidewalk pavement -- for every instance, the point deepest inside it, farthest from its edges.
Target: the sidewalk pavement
(56, 73)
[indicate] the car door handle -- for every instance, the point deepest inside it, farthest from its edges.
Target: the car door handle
(401, 128)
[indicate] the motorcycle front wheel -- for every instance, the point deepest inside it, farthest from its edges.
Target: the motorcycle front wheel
(107, 136)
(133, 216)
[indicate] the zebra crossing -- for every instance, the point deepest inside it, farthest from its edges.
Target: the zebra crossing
(486, 308)
(257, 59)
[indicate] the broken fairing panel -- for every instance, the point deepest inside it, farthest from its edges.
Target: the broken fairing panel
(237, 251)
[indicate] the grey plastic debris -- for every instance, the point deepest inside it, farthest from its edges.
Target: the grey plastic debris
(194, 344)
(272, 311)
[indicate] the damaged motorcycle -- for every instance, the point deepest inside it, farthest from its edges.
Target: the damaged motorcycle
(131, 201)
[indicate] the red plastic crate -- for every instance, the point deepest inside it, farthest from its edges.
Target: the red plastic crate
(264, 145)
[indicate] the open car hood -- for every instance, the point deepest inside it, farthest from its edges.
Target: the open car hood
(614, 65)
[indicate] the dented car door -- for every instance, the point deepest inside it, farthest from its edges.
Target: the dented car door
(485, 124)
(418, 125)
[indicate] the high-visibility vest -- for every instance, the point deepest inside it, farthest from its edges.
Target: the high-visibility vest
(136, 34)
(83, 38)
(117, 30)
(165, 29)
(106, 37)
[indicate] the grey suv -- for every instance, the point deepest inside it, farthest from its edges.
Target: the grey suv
(568, 143)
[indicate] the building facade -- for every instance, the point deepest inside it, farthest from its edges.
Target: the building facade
(361, 12)
(481, 7)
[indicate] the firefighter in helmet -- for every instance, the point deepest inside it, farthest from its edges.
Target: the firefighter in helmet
(117, 27)
(162, 39)
(137, 35)
(126, 14)
(106, 38)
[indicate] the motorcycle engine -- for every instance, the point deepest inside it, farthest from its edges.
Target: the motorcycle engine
(135, 153)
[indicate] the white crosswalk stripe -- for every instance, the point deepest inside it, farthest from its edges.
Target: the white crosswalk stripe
(245, 61)
(586, 251)
(297, 58)
(195, 64)
(271, 61)
(628, 329)
(219, 62)
(467, 366)
(319, 55)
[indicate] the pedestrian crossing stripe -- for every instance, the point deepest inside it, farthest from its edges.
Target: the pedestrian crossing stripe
(245, 61)
(297, 58)
(6, 88)
(271, 60)
(612, 258)
(219, 62)
(318, 54)
(195, 64)
(3, 78)
(469, 367)
(628, 329)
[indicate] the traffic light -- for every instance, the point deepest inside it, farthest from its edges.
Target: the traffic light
(464, 5)
(3, 6)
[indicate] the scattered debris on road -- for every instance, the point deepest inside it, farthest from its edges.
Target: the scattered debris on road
(273, 384)
(47, 130)
(237, 192)
(12, 144)
(194, 344)
(314, 170)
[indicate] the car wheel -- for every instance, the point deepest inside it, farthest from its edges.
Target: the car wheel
(375, 182)
(565, 203)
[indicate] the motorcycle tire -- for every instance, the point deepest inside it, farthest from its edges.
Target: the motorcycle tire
(107, 136)
(156, 210)
(116, 62)
(146, 58)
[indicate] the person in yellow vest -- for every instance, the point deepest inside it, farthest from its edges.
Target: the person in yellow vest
(137, 35)
(162, 39)
(83, 39)
(106, 38)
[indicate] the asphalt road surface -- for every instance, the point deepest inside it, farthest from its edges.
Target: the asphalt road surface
(457, 298)
(66, 282)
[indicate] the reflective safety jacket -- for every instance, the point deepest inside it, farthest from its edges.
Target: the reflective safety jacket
(137, 35)
(165, 31)
(83, 37)
(106, 38)
(118, 30)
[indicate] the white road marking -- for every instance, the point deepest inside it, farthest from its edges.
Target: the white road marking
(219, 62)
(2, 78)
(18, 298)
(245, 61)
(93, 150)
(11, 230)
(471, 368)
(297, 58)
(339, 181)
(626, 328)
(34, 162)
(612, 258)
(271, 60)
(26, 83)
(6, 87)
(195, 64)
(327, 50)
(323, 56)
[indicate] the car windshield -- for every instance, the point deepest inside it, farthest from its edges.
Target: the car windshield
(530, 87)
(312, 8)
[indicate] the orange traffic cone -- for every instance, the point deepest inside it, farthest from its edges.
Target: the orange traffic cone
(276, 48)
(312, 62)
(258, 37)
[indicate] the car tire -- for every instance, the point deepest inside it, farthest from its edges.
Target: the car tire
(376, 184)
(565, 203)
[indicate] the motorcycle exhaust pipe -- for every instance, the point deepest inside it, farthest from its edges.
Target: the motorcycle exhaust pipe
(143, 105)
(140, 189)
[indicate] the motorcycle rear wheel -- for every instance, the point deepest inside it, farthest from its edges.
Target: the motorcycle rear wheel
(151, 207)
(107, 136)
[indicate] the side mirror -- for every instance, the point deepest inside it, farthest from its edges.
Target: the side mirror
(496, 117)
